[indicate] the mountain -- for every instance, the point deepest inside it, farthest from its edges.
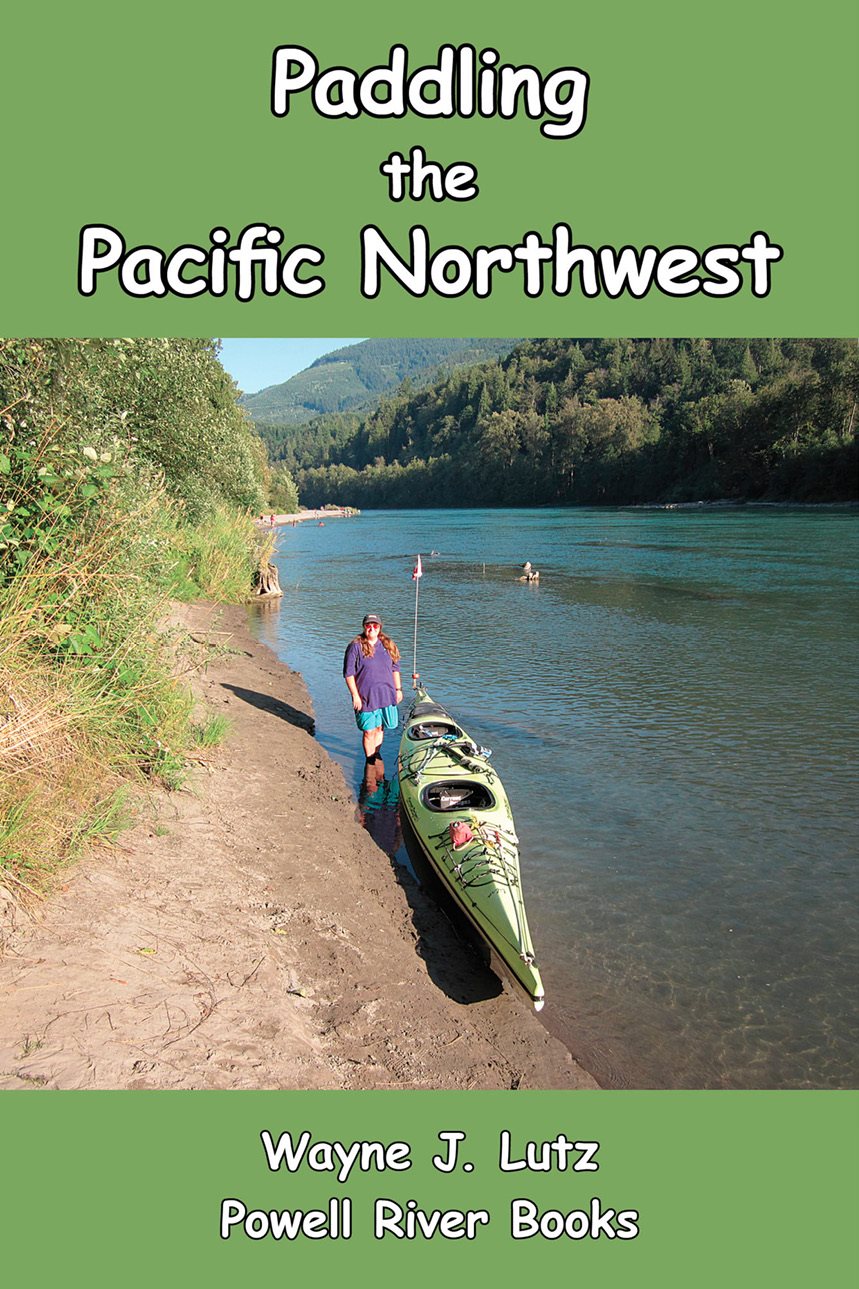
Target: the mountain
(601, 422)
(357, 375)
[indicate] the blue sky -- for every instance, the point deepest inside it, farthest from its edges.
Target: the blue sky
(254, 364)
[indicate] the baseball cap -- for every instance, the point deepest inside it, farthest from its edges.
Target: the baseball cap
(371, 617)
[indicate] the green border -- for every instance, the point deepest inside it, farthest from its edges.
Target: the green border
(703, 127)
(728, 1188)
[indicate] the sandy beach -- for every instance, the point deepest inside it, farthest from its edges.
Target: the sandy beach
(304, 517)
(247, 932)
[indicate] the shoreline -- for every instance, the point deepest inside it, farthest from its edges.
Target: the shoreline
(248, 932)
(742, 505)
(307, 516)
(321, 516)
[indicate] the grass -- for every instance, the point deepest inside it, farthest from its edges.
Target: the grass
(212, 732)
(90, 702)
(215, 560)
(104, 822)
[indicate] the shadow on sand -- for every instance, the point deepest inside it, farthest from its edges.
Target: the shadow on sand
(456, 960)
(274, 706)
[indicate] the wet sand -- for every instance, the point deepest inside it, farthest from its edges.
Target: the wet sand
(248, 932)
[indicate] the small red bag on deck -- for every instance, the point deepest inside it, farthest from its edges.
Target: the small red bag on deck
(460, 834)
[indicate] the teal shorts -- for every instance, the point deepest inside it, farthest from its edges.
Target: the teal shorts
(386, 718)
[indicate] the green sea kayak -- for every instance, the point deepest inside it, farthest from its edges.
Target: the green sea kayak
(460, 816)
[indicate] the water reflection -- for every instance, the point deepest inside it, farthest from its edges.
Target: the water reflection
(266, 619)
(378, 808)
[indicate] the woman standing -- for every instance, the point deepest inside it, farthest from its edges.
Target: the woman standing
(371, 667)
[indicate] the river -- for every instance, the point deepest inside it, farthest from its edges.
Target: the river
(673, 712)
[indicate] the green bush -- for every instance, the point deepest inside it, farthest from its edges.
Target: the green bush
(127, 474)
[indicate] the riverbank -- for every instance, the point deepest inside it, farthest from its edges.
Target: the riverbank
(248, 933)
(307, 516)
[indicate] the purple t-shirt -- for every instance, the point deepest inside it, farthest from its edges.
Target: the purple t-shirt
(377, 676)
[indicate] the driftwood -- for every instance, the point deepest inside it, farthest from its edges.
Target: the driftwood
(267, 582)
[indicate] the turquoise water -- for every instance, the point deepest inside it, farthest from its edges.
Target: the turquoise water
(673, 713)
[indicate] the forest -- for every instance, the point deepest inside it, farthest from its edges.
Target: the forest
(598, 422)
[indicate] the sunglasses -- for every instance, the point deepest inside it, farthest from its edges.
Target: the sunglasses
(373, 626)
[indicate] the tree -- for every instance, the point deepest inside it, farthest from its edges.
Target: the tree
(168, 402)
(283, 493)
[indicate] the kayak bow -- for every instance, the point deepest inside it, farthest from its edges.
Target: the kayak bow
(461, 818)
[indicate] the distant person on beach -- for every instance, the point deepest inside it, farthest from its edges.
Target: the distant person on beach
(371, 669)
(529, 574)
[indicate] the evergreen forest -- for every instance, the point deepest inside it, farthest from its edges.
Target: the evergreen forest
(597, 422)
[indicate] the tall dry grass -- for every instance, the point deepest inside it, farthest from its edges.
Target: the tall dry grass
(90, 701)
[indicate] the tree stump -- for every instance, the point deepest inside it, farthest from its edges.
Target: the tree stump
(267, 581)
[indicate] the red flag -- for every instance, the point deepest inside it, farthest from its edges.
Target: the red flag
(417, 571)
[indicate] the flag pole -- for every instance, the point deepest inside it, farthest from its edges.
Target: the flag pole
(416, 575)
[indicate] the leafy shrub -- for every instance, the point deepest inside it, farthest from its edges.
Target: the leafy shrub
(126, 471)
(48, 491)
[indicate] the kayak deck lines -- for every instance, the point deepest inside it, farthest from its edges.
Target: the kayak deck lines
(480, 856)
(485, 870)
(463, 751)
(446, 778)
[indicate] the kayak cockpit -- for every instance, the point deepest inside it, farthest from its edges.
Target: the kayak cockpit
(456, 794)
(430, 729)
